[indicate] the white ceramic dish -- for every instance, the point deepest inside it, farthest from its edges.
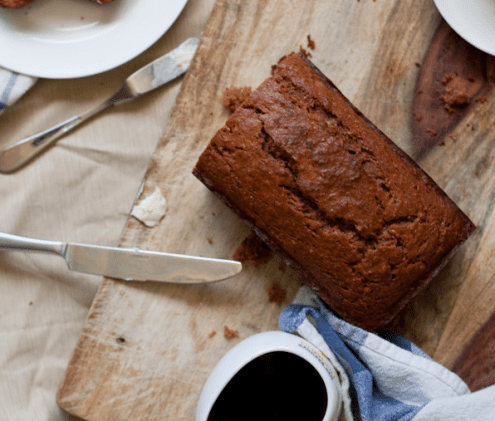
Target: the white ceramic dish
(473, 20)
(261, 344)
(60, 39)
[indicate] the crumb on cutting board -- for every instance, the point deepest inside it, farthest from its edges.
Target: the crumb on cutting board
(233, 97)
(304, 52)
(276, 294)
(229, 333)
(455, 96)
(431, 132)
(253, 250)
(455, 99)
(311, 42)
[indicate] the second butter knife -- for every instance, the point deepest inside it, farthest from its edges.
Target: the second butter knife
(151, 76)
(127, 263)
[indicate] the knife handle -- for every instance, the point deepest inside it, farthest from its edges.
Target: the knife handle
(16, 242)
(20, 153)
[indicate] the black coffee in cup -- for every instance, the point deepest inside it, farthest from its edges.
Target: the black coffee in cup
(275, 386)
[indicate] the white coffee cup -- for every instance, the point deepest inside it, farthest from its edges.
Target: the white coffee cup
(277, 364)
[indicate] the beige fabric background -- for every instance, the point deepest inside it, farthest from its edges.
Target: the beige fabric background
(81, 190)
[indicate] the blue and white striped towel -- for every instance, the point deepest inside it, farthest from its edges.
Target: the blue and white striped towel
(12, 87)
(385, 377)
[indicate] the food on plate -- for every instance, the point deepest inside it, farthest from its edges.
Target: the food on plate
(364, 226)
(21, 3)
(14, 3)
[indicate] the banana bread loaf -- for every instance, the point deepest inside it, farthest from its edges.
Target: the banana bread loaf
(348, 210)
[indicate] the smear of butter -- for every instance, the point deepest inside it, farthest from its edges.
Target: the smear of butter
(151, 209)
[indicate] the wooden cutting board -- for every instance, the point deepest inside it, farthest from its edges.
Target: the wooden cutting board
(147, 349)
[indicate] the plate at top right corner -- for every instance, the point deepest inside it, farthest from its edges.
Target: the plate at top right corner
(473, 20)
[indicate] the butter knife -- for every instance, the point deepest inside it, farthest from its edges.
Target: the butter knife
(146, 79)
(127, 263)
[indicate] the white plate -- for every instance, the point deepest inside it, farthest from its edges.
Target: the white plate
(59, 39)
(473, 20)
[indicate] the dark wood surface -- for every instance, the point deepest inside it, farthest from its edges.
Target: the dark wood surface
(452, 71)
(476, 364)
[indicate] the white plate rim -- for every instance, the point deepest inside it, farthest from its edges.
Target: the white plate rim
(474, 21)
(131, 28)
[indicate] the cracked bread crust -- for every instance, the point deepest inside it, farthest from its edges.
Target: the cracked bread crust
(347, 209)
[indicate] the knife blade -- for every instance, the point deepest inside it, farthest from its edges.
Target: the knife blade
(129, 264)
(153, 75)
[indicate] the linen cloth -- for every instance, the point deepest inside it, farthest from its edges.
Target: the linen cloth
(384, 376)
(81, 189)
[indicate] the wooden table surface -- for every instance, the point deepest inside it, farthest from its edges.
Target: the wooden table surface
(146, 350)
